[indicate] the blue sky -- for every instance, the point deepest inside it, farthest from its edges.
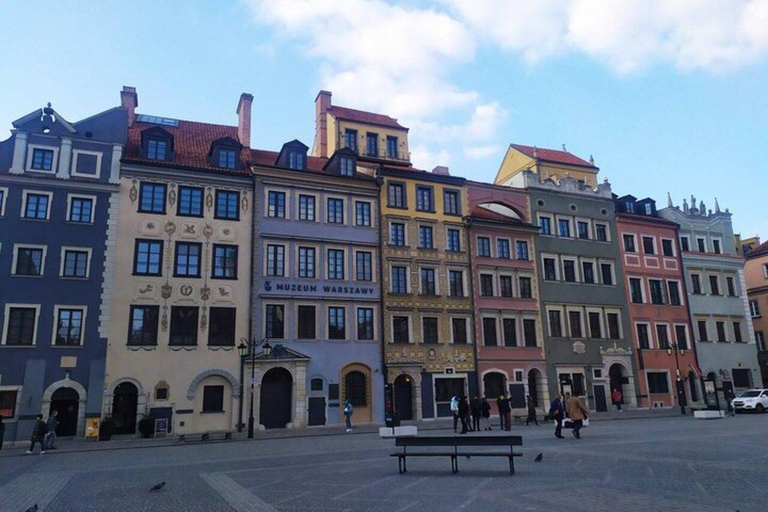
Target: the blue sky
(669, 96)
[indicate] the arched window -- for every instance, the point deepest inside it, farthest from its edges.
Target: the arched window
(355, 388)
(494, 384)
(316, 384)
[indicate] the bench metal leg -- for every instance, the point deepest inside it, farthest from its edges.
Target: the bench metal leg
(401, 464)
(454, 464)
(511, 464)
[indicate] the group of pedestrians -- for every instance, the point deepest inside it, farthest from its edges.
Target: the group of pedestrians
(471, 414)
(573, 409)
(44, 433)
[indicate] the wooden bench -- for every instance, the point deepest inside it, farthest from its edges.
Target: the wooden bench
(454, 443)
(225, 435)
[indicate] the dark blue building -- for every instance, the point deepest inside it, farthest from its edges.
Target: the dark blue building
(58, 200)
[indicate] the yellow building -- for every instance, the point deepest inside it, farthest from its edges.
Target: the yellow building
(429, 349)
(547, 163)
(179, 303)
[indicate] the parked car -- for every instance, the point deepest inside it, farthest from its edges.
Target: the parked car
(751, 400)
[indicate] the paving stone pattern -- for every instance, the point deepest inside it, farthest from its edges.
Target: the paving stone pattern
(662, 464)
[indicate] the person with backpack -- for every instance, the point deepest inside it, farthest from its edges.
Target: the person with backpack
(485, 411)
(348, 410)
(38, 435)
(474, 406)
(557, 413)
(455, 412)
(617, 398)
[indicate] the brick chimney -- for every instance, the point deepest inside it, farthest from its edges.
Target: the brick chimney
(129, 100)
(244, 119)
(322, 104)
(441, 170)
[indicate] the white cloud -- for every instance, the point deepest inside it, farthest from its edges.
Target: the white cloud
(483, 152)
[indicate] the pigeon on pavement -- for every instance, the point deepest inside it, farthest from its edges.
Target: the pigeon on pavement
(157, 487)
(33, 508)
(539, 457)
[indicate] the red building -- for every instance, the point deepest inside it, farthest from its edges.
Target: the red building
(510, 356)
(656, 295)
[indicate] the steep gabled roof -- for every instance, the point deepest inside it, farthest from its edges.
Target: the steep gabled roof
(760, 250)
(552, 155)
(360, 116)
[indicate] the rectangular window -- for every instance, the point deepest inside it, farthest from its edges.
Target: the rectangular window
(274, 324)
(152, 197)
(183, 326)
(187, 259)
(666, 247)
(658, 383)
(36, 206)
(714, 285)
(157, 149)
(681, 335)
(350, 139)
(362, 213)
(337, 326)
(428, 281)
(588, 272)
(505, 286)
(614, 331)
(555, 325)
(224, 261)
(731, 286)
(213, 399)
(574, 323)
(399, 280)
(148, 254)
(400, 329)
(760, 339)
(397, 234)
(275, 260)
(190, 202)
(396, 195)
(564, 227)
(484, 247)
(306, 207)
(29, 261)
(595, 327)
(643, 340)
(545, 225)
(716, 246)
(429, 330)
(486, 285)
(365, 323)
(522, 250)
(509, 331)
(649, 247)
(425, 237)
(276, 204)
(307, 328)
(721, 331)
(741, 378)
(227, 158)
(754, 308)
(335, 264)
(662, 336)
(502, 248)
(456, 283)
(21, 326)
(364, 266)
(42, 159)
(8, 403)
(451, 200)
(489, 332)
(701, 244)
(703, 336)
(601, 232)
(657, 291)
(606, 271)
(629, 243)
(307, 262)
(391, 146)
(529, 332)
(569, 271)
(335, 211)
(2, 207)
(453, 240)
(737, 332)
(583, 229)
(296, 159)
(372, 144)
(674, 293)
(636, 290)
(425, 199)
(347, 166)
(526, 288)
(459, 331)
(143, 327)
(81, 210)
(684, 244)
(695, 284)
(75, 264)
(221, 327)
(550, 272)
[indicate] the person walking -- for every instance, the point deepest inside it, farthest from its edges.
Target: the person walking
(617, 398)
(2, 431)
(556, 412)
(455, 412)
(38, 435)
(500, 408)
(485, 411)
(50, 437)
(348, 410)
(531, 411)
(474, 407)
(463, 413)
(576, 412)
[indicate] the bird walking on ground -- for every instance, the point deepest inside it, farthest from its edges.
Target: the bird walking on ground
(539, 457)
(33, 508)
(157, 487)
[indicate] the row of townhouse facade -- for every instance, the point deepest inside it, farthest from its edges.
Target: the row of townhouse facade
(140, 254)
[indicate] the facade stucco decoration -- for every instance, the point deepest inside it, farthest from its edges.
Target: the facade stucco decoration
(236, 389)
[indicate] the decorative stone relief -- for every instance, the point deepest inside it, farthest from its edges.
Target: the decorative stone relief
(205, 293)
(227, 233)
(172, 195)
(244, 203)
(164, 320)
(169, 228)
(224, 293)
(146, 291)
(149, 227)
(189, 230)
(134, 192)
(204, 320)
(186, 290)
(579, 348)
(166, 291)
(208, 231)
(209, 198)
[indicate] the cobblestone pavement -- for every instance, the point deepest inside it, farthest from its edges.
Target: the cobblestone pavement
(661, 464)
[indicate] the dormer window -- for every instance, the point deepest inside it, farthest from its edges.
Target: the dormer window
(227, 158)
(42, 159)
(293, 155)
(157, 149)
(296, 160)
(630, 207)
(157, 144)
(648, 209)
(346, 166)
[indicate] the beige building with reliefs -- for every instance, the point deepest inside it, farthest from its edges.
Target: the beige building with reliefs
(179, 303)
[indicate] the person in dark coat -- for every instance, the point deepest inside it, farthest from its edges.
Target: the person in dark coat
(474, 406)
(485, 410)
(505, 412)
(463, 413)
(2, 431)
(500, 403)
(557, 413)
(38, 435)
(531, 411)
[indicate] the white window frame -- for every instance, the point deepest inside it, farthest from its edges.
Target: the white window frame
(495, 287)
(344, 210)
(447, 228)
(477, 244)
(655, 246)
(656, 332)
(643, 291)
(669, 381)
(674, 248)
(719, 241)
(580, 311)
(752, 309)
(623, 247)
(720, 290)
(515, 284)
(70, 197)
(286, 268)
(409, 316)
(512, 247)
(621, 323)
(600, 264)
(405, 233)
(407, 266)
(607, 231)
(374, 259)
(76, 153)
(345, 266)
(15, 261)
(467, 323)
(432, 228)
(24, 195)
(590, 233)
(6, 323)
(4, 191)
(346, 321)
(299, 246)
(651, 344)
(464, 288)
(373, 213)
(685, 237)
(288, 200)
(30, 158)
(17, 389)
(576, 269)
(595, 270)
(688, 339)
(705, 243)
(56, 309)
(563, 327)
(495, 319)
(603, 326)
(765, 270)
(552, 224)
(286, 321)
(62, 261)
(570, 226)
(680, 292)
(519, 340)
(375, 323)
(557, 266)
(437, 279)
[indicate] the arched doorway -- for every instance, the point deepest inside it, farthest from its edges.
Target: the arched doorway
(617, 376)
(67, 402)
(494, 385)
(404, 397)
(356, 382)
(124, 408)
(535, 386)
(276, 398)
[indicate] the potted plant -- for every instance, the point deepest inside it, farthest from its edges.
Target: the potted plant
(145, 426)
(107, 428)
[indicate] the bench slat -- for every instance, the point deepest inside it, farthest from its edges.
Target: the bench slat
(459, 441)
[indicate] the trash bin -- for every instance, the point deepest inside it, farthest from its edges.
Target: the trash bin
(392, 420)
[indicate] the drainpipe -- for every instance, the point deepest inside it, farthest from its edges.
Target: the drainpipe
(379, 184)
(693, 347)
(251, 298)
(468, 222)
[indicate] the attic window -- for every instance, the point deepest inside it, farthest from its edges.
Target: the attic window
(295, 160)
(630, 206)
(347, 166)
(648, 209)
(227, 158)
(157, 149)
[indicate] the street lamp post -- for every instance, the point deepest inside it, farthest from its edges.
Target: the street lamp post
(674, 348)
(247, 351)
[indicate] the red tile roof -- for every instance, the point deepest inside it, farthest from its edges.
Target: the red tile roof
(269, 159)
(361, 116)
(758, 251)
(191, 145)
(553, 155)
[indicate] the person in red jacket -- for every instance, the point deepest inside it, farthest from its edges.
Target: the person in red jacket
(617, 398)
